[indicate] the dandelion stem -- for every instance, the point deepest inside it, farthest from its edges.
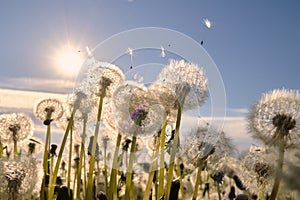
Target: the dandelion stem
(198, 179)
(15, 148)
(80, 160)
(105, 170)
(1, 149)
(219, 191)
(59, 157)
(70, 161)
(129, 169)
(152, 170)
(278, 172)
(113, 175)
(162, 158)
(173, 153)
(180, 179)
(45, 162)
(92, 159)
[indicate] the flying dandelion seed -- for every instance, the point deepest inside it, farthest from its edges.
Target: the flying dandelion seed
(207, 23)
(162, 53)
(130, 52)
(88, 51)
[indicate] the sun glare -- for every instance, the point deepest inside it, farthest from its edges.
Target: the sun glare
(68, 60)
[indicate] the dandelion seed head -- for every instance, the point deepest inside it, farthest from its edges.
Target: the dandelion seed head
(15, 126)
(275, 118)
(17, 178)
(199, 146)
(227, 165)
(32, 145)
(48, 110)
(101, 77)
(187, 80)
(258, 169)
(135, 112)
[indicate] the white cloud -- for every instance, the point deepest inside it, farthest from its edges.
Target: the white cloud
(234, 127)
(22, 100)
(38, 84)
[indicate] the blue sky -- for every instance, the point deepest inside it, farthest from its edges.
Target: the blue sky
(255, 44)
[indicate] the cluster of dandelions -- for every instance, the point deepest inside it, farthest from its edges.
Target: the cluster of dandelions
(123, 140)
(274, 120)
(19, 169)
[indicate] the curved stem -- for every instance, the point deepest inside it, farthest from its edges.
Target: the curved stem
(173, 153)
(278, 173)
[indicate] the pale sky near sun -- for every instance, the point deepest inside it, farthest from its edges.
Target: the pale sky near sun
(255, 44)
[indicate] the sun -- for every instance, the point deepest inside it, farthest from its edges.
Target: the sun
(68, 60)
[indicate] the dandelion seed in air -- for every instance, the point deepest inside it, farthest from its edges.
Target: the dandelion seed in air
(207, 23)
(88, 51)
(130, 52)
(162, 53)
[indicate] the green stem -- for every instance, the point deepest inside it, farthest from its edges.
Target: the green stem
(198, 179)
(59, 157)
(74, 182)
(114, 170)
(219, 191)
(51, 181)
(278, 173)
(129, 170)
(45, 163)
(92, 159)
(70, 161)
(173, 153)
(162, 158)
(180, 179)
(80, 160)
(1, 149)
(45, 160)
(152, 170)
(105, 170)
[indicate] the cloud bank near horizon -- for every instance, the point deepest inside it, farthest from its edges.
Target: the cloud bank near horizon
(38, 84)
(235, 127)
